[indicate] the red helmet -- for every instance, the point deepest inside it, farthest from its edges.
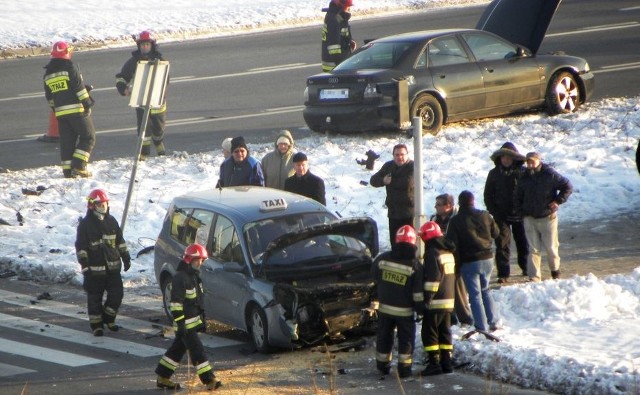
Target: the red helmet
(61, 50)
(145, 36)
(406, 234)
(429, 231)
(343, 3)
(194, 251)
(96, 196)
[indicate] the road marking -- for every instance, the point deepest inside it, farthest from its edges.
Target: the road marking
(146, 327)
(593, 29)
(42, 328)
(10, 370)
(46, 354)
(617, 67)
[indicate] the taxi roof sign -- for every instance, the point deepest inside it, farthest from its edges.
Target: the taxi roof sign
(273, 204)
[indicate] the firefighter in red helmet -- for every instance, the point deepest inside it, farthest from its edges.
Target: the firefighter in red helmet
(71, 103)
(185, 306)
(154, 134)
(398, 278)
(337, 43)
(439, 294)
(102, 252)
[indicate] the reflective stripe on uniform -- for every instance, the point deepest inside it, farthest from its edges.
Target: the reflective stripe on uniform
(441, 304)
(396, 311)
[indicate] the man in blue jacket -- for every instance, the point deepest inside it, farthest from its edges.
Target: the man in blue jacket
(240, 168)
(539, 194)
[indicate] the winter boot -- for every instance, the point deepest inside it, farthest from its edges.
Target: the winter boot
(213, 385)
(433, 366)
(445, 361)
(163, 382)
(555, 274)
(404, 370)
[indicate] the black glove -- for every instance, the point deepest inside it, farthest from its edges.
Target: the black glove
(181, 329)
(126, 261)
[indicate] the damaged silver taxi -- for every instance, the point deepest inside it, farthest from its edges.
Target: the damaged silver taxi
(281, 267)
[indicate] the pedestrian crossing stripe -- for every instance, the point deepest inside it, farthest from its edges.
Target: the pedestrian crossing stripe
(79, 337)
(44, 354)
(69, 310)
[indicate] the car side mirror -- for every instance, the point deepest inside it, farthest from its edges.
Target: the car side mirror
(233, 267)
(522, 52)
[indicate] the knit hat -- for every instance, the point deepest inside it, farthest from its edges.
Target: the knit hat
(299, 157)
(283, 140)
(226, 144)
(238, 142)
(466, 198)
(507, 149)
(534, 155)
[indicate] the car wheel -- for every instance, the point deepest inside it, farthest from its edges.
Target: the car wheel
(563, 94)
(259, 329)
(428, 108)
(166, 296)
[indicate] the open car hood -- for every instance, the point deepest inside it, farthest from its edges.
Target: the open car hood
(364, 229)
(522, 22)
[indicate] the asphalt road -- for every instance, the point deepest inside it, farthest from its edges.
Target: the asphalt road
(252, 84)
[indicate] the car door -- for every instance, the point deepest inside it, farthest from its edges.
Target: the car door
(225, 291)
(509, 80)
(455, 76)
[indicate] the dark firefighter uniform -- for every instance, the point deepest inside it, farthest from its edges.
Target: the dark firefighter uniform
(439, 287)
(398, 278)
(185, 306)
(157, 116)
(100, 249)
(69, 99)
(336, 37)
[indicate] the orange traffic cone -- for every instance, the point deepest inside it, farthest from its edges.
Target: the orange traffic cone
(52, 135)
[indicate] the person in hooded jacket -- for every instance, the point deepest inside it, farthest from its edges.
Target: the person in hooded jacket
(147, 50)
(398, 278)
(71, 102)
(337, 44)
(439, 295)
(499, 198)
(277, 164)
(186, 308)
(101, 251)
(240, 168)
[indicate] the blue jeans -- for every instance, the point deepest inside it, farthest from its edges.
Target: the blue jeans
(476, 276)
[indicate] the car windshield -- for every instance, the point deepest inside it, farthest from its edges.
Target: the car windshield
(323, 250)
(375, 56)
(259, 234)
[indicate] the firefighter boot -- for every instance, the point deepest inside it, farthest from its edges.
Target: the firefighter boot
(160, 151)
(383, 367)
(445, 361)
(213, 385)
(404, 370)
(433, 366)
(79, 168)
(113, 327)
(164, 382)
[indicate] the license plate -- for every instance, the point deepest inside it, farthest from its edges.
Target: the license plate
(328, 94)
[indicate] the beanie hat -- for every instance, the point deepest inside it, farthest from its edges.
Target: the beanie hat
(226, 144)
(299, 157)
(466, 198)
(507, 149)
(283, 140)
(238, 142)
(534, 155)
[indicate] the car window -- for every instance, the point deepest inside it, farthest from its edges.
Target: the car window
(226, 244)
(376, 56)
(198, 226)
(488, 47)
(179, 217)
(446, 51)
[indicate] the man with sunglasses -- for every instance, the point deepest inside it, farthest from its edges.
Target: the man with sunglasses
(240, 168)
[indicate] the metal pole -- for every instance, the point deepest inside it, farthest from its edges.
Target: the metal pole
(419, 215)
(143, 128)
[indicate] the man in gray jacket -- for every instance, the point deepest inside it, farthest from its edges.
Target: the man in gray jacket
(277, 165)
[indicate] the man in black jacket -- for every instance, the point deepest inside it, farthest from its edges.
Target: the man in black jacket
(100, 248)
(499, 197)
(69, 99)
(398, 278)
(337, 44)
(303, 182)
(147, 50)
(186, 309)
(473, 231)
(540, 192)
(397, 177)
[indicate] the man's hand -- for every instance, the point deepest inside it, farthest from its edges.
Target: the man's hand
(387, 179)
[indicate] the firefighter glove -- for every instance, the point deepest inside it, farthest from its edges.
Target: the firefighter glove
(126, 261)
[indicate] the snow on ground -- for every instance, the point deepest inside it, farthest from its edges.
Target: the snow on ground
(576, 335)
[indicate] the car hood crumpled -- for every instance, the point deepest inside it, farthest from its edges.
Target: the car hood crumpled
(364, 229)
(523, 22)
